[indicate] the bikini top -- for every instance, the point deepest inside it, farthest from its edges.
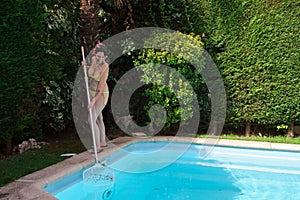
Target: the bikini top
(95, 76)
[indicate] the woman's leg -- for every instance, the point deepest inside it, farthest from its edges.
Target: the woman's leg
(100, 106)
(102, 130)
(96, 130)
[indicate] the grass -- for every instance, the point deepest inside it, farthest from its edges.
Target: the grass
(16, 166)
(275, 139)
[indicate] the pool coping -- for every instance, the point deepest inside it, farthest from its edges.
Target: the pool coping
(31, 185)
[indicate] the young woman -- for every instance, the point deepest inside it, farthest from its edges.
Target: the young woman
(98, 74)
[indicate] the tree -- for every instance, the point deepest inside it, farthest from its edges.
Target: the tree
(89, 23)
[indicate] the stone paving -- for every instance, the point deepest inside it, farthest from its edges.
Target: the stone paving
(30, 186)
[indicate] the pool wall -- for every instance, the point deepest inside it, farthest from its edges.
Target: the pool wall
(31, 186)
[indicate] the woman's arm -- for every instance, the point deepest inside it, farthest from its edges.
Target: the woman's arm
(103, 78)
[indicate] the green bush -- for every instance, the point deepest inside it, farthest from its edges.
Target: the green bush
(164, 84)
(57, 104)
(32, 53)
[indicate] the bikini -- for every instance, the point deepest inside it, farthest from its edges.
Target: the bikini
(93, 83)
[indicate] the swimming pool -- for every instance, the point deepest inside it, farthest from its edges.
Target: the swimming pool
(225, 173)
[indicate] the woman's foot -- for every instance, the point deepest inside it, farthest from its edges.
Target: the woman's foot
(103, 145)
(98, 150)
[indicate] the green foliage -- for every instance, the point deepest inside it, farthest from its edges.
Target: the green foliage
(256, 46)
(166, 85)
(282, 126)
(33, 52)
(258, 52)
(172, 14)
(63, 42)
(62, 28)
(58, 103)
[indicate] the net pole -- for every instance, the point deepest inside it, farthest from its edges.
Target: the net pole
(89, 101)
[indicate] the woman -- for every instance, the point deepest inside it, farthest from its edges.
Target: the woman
(98, 74)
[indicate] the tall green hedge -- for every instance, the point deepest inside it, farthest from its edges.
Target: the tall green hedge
(259, 60)
(32, 54)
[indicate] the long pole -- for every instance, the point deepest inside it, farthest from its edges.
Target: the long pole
(89, 100)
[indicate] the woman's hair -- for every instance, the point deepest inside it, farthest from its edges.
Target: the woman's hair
(99, 48)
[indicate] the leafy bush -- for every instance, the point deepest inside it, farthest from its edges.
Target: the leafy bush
(165, 85)
(57, 104)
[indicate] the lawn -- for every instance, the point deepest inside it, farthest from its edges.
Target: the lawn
(16, 166)
(276, 139)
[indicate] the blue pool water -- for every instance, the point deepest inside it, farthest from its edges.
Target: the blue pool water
(225, 173)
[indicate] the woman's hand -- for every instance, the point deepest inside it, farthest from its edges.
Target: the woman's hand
(92, 103)
(83, 63)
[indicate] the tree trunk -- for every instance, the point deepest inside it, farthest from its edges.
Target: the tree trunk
(122, 16)
(248, 129)
(129, 19)
(89, 23)
(8, 147)
(291, 130)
